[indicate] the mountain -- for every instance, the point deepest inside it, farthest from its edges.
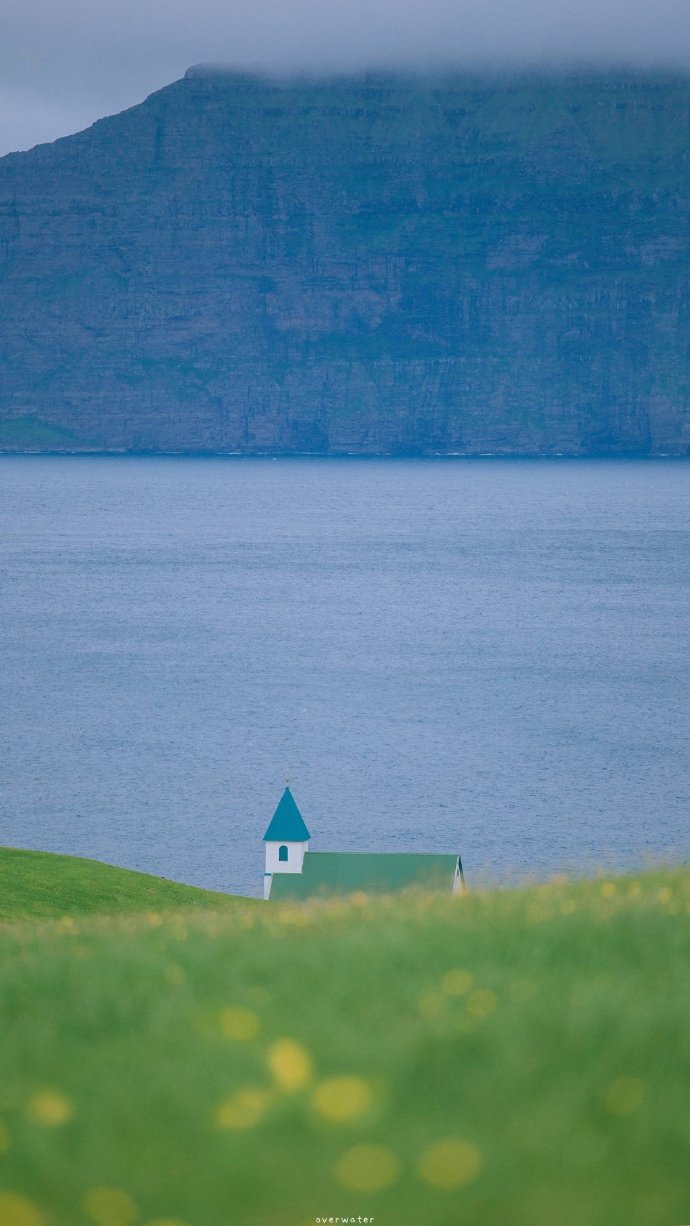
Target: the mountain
(380, 264)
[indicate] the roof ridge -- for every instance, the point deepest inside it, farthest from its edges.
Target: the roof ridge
(406, 854)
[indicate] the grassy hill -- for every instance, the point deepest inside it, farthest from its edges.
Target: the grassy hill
(38, 884)
(515, 1057)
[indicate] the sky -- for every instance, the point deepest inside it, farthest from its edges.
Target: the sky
(66, 63)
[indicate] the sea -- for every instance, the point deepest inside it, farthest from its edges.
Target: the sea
(488, 657)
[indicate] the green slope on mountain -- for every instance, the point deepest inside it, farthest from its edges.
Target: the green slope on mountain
(366, 265)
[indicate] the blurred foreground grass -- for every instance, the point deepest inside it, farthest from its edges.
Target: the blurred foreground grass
(511, 1057)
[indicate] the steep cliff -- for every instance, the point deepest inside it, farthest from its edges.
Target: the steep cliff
(370, 265)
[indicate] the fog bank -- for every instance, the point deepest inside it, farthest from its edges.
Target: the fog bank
(65, 64)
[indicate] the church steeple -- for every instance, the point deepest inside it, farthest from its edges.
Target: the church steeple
(287, 840)
(287, 824)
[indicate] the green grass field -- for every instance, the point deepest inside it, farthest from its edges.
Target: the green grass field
(510, 1058)
(36, 884)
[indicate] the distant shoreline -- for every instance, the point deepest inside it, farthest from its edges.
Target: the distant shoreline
(340, 456)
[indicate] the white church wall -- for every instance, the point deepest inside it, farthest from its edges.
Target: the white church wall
(274, 864)
(294, 861)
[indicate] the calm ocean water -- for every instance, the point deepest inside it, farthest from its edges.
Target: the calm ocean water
(484, 656)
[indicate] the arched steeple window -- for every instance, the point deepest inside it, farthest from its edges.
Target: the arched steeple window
(283, 853)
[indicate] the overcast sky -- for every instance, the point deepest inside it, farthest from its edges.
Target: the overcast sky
(64, 63)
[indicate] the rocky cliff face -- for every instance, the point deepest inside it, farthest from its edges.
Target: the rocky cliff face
(364, 265)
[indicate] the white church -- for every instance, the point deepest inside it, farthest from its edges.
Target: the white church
(295, 872)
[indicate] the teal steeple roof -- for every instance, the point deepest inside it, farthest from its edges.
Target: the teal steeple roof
(287, 824)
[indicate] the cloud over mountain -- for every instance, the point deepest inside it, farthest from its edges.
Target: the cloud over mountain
(65, 64)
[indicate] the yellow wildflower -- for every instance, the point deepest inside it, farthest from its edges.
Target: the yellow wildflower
(16, 1210)
(481, 1003)
(166, 1221)
(341, 1099)
(457, 982)
(49, 1108)
(243, 1109)
(295, 916)
(450, 1164)
(110, 1207)
(368, 1168)
(290, 1064)
(239, 1024)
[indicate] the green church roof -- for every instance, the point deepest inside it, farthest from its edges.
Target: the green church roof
(333, 872)
(287, 824)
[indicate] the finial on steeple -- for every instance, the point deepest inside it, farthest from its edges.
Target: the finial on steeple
(287, 776)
